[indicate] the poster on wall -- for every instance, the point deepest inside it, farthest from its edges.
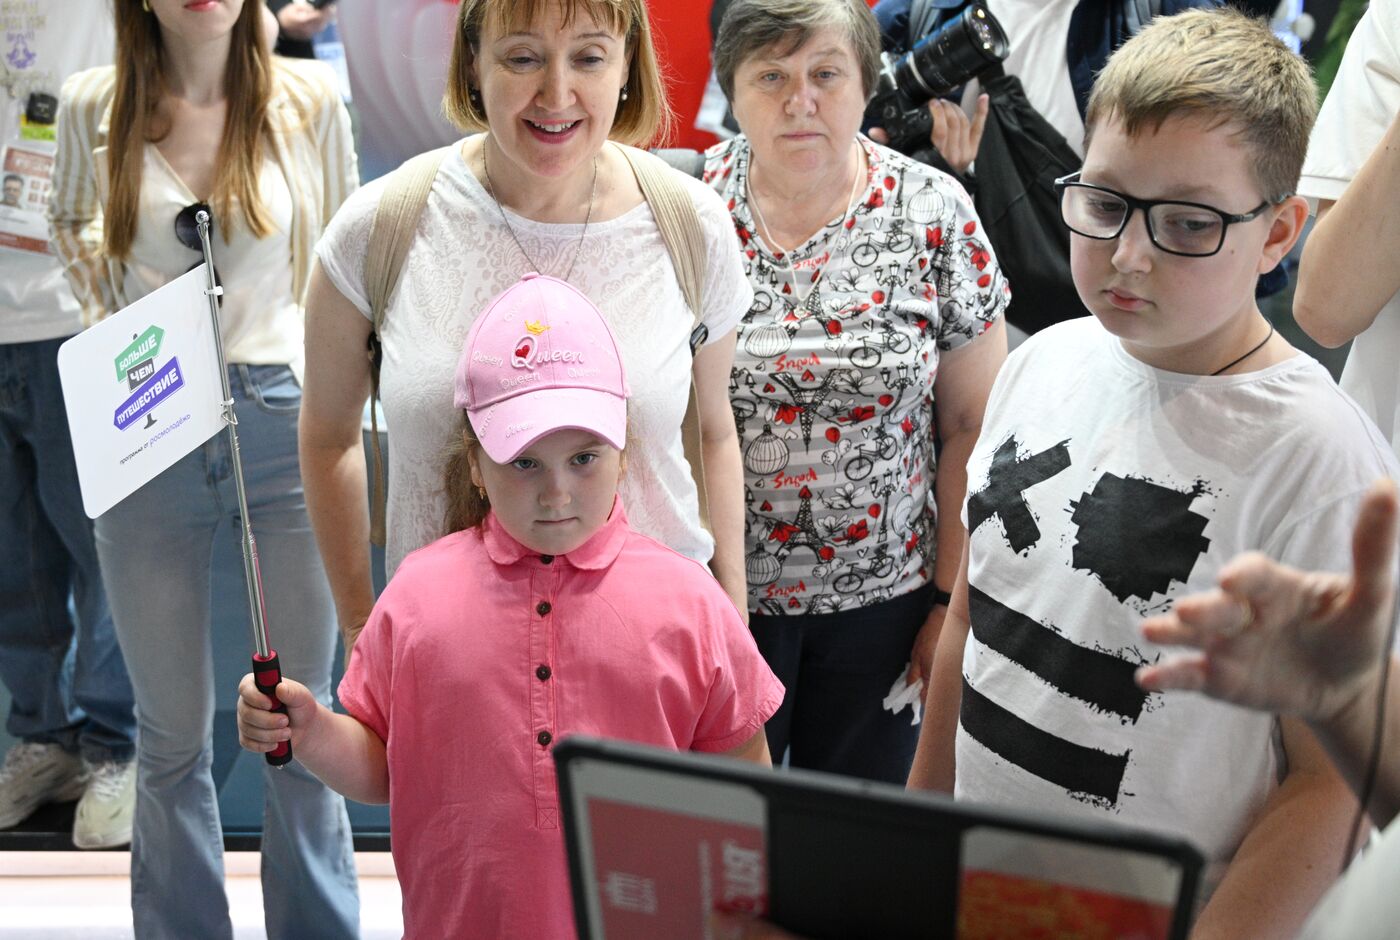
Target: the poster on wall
(27, 168)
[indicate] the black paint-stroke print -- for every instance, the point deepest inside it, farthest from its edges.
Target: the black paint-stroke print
(1004, 495)
(1103, 681)
(1083, 771)
(1137, 537)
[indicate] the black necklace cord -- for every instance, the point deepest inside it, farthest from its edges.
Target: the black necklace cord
(1252, 351)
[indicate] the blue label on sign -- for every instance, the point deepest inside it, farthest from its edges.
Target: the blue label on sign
(161, 386)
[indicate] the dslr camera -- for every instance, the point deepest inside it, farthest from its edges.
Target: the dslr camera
(964, 48)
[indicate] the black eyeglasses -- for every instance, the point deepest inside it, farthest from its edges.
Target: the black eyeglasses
(1190, 229)
(187, 231)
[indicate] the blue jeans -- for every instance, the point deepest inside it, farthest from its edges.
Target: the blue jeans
(67, 681)
(156, 547)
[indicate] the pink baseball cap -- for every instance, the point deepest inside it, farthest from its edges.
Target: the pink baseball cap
(540, 359)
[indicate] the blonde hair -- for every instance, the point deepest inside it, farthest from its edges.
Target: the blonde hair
(1225, 67)
(645, 117)
(140, 84)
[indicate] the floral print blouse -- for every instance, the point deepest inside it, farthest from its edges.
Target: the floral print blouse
(832, 385)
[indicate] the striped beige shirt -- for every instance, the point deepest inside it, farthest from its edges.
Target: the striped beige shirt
(311, 145)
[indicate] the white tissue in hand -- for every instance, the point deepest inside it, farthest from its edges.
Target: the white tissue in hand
(906, 693)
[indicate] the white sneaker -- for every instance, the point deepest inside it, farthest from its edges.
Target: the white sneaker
(35, 774)
(103, 820)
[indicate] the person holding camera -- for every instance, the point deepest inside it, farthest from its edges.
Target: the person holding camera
(1020, 118)
(875, 334)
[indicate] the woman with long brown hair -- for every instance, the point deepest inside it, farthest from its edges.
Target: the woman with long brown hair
(196, 114)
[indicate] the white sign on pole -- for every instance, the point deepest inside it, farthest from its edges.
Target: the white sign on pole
(142, 389)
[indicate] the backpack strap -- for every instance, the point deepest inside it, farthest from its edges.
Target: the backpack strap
(680, 228)
(395, 223)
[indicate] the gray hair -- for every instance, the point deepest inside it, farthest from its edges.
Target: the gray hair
(750, 26)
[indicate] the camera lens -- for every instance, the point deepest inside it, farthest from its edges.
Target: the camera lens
(983, 33)
(962, 50)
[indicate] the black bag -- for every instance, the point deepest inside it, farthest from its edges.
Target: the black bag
(1020, 157)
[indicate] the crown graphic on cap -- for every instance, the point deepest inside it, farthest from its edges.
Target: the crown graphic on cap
(540, 358)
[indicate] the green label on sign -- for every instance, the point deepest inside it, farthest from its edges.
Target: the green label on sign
(145, 346)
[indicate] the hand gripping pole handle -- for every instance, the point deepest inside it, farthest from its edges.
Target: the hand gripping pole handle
(267, 672)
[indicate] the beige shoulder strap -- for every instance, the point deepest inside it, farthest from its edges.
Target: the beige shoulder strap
(395, 222)
(677, 219)
(685, 239)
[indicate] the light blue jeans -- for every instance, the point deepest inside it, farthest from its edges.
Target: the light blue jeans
(67, 682)
(155, 548)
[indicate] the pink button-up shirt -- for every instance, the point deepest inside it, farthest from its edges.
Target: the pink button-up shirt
(480, 654)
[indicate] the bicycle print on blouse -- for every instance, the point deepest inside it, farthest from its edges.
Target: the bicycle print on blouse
(833, 391)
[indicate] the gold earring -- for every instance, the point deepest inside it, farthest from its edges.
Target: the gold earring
(146, 5)
(481, 491)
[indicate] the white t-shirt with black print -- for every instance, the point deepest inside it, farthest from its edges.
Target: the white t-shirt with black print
(461, 257)
(832, 386)
(1100, 491)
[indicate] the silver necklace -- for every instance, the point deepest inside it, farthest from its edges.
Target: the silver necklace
(790, 272)
(486, 172)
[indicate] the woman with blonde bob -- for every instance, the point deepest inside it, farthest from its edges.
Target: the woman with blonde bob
(559, 87)
(196, 114)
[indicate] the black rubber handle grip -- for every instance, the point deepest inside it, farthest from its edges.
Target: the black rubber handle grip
(266, 674)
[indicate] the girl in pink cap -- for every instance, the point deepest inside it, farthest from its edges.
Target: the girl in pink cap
(541, 614)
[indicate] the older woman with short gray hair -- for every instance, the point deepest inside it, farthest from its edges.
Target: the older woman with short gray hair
(863, 365)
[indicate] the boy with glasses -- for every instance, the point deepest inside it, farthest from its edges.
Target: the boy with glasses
(1124, 458)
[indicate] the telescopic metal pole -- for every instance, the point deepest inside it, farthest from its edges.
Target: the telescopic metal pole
(267, 670)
